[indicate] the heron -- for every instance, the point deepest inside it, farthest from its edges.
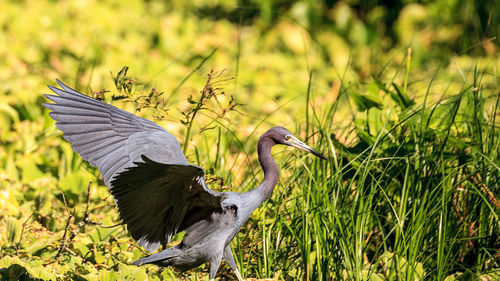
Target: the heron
(158, 193)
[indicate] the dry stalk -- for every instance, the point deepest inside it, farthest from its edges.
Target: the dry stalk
(62, 245)
(86, 219)
(21, 236)
(479, 182)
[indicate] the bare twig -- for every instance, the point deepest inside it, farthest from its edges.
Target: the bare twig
(86, 219)
(211, 91)
(65, 203)
(102, 225)
(86, 215)
(21, 237)
(62, 245)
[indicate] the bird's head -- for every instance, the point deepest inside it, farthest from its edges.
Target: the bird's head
(281, 135)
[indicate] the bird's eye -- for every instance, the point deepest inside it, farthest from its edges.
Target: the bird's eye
(288, 138)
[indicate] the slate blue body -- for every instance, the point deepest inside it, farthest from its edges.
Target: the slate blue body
(157, 191)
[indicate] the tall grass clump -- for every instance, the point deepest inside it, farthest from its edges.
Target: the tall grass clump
(414, 197)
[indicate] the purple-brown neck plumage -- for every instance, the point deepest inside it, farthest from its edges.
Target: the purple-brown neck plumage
(269, 166)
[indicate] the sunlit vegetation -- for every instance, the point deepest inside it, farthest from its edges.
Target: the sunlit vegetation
(403, 100)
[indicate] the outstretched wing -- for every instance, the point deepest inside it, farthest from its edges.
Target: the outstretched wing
(144, 193)
(107, 137)
(155, 188)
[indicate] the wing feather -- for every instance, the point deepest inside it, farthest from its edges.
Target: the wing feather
(91, 148)
(74, 110)
(99, 131)
(156, 179)
(142, 164)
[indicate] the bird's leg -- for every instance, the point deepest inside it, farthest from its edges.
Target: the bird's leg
(228, 256)
(214, 266)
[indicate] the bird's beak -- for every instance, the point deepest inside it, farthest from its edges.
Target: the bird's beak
(295, 142)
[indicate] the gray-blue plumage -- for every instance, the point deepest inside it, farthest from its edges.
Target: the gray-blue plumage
(157, 191)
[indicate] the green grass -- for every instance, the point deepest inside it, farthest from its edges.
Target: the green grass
(416, 202)
(410, 190)
(411, 201)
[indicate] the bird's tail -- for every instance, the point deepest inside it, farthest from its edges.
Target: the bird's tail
(160, 258)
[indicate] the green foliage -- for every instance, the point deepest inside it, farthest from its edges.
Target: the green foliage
(403, 99)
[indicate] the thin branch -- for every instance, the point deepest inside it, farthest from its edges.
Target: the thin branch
(21, 237)
(62, 245)
(86, 215)
(86, 219)
(101, 225)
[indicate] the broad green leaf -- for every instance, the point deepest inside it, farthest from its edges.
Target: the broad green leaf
(29, 169)
(402, 98)
(131, 273)
(365, 102)
(76, 182)
(8, 203)
(40, 244)
(13, 266)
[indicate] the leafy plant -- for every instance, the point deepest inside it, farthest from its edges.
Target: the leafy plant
(403, 100)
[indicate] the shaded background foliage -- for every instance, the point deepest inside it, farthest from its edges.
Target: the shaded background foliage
(401, 95)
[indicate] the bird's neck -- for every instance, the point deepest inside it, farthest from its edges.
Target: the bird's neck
(270, 168)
